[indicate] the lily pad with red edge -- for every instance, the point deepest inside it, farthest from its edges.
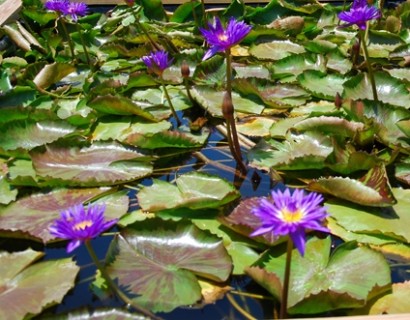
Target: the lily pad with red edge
(99, 164)
(158, 263)
(27, 289)
(373, 189)
(30, 217)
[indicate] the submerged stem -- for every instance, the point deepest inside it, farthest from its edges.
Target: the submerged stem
(113, 286)
(285, 288)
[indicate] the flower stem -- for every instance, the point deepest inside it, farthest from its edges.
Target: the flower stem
(369, 66)
(285, 288)
(113, 286)
(87, 56)
(69, 40)
(230, 123)
(170, 102)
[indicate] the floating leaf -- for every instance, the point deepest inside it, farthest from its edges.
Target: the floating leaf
(26, 290)
(119, 106)
(373, 189)
(30, 217)
(96, 165)
(191, 190)
(321, 85)
(275, 50)
(334, 125)
(389, 90)
(391, 221)
(29, 134)
(182, 138)
(393, 303)
(255, 126)
(211, 100)
(156, 256)
(319, 283)
(290, 67)
(303, 151)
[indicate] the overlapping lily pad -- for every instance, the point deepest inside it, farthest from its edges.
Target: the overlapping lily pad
(27, 289)
(158, 263)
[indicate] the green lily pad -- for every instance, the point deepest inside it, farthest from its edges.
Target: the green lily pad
(255, 126)
(391, 221)
(373, 189)
(395, 302)
(156, 256)
(119, 106)
(389, 90)
(211, 100)
(275, 50)
(321, 85)
(191, 190)
(302, 151)
(100, 164)
(28, 289)
(320, 283)
(30, 134)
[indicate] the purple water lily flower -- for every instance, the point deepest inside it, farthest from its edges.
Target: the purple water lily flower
(76, 10)
(359, 14)
(291, 214)
(221, 39)
(60, 6)
(157, 61)
(79, 224)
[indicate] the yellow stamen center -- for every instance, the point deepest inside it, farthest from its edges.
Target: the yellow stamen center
(223, 37)
(82, 225)
(292, 216)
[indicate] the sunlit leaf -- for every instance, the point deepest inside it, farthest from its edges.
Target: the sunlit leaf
(391, 221)
(372, 189)
(255, 126)
(320, 283)
(96, 165)
(119, 106)
(159, 263)
(28, 289)
(301, 151)
(211, 100)
(191, 190)
(275, 50)
(389, 90)
(395, 302)
(28, 134)
(321, 85)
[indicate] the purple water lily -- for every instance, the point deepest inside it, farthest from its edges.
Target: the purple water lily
(157, 61)
(221, 39)
(359, 14)
(76, 10)
(79, 224)
(60, 6)
(291, 214)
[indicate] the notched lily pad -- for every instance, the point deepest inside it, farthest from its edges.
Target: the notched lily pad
(27, 289)
(156, 255)
(100, 164)
(192, 190)
(373, 189)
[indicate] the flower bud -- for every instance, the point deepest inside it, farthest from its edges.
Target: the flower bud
(227, 106)
(185, 70)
